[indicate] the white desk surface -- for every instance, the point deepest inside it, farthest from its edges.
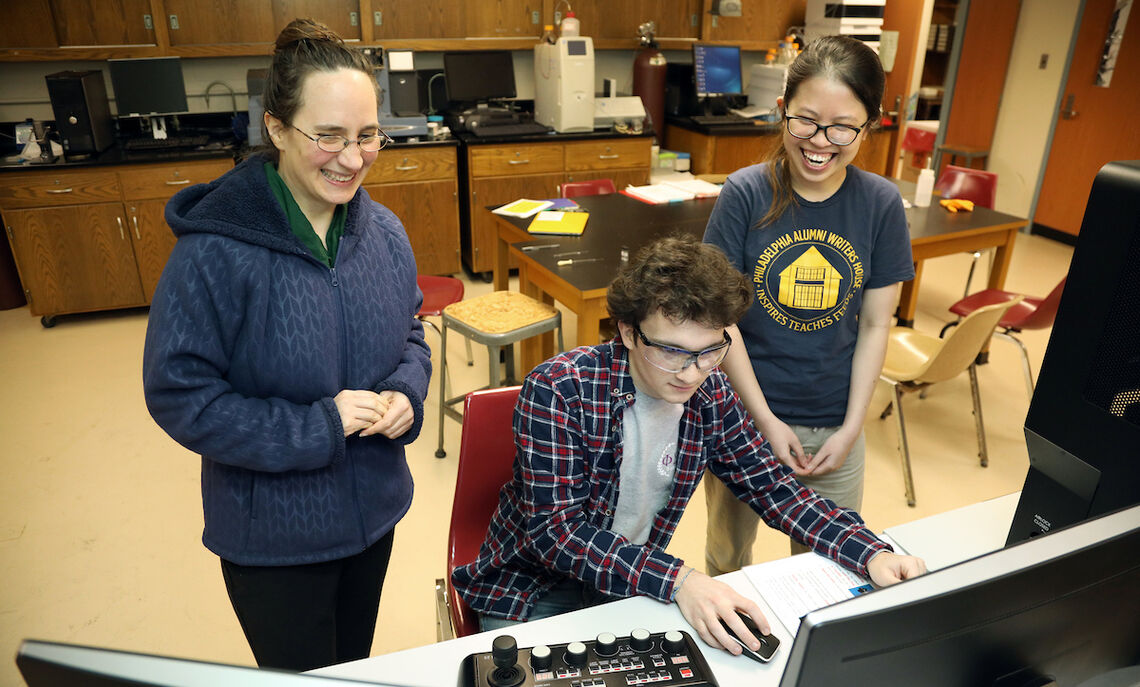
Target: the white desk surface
(941, 539)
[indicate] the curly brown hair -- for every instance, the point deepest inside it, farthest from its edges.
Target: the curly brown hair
(684, 279)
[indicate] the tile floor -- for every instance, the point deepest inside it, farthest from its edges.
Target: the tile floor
(100, 515)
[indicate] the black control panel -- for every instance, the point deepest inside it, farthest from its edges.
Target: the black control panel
(641, 658)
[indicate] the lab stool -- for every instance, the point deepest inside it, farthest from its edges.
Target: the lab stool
(496, 320)
(967, 153)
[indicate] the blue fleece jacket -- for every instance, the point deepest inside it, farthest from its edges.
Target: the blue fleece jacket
(249, 339)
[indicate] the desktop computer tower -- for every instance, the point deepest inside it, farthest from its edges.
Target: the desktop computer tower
(82, 113)
(404, 92)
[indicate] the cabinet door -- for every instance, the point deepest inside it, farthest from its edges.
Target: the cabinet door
(220, 21)
(417, 19)
(430, 213)
(607, 19)
(98, 22)
(479, 255)
(152, 240)
(504, 19)
(342, 16)
(620, 177)
(74, 259)
(759, 21)
(25, 26)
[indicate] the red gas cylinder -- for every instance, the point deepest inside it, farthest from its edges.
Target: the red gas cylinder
(649, 82)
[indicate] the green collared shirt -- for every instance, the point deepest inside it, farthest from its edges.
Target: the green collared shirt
(300, 225)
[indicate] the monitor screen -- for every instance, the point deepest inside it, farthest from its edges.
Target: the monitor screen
(716, 70)
(52, 664)
(1083, 424)
(1062, 606)
(148, 86)
(479, 76)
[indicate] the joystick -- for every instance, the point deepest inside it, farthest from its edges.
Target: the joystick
(505, 655)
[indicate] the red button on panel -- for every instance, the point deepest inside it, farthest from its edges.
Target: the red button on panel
(686, 672)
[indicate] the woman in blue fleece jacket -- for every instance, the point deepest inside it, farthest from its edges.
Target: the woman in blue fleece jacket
(283, 347)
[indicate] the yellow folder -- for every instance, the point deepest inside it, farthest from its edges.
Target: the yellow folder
(559, 223)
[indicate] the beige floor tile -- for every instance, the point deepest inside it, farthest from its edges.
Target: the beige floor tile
(100, 515)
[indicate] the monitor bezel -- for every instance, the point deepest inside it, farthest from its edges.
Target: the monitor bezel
(121, 85)
(508, 90)
(697, 47)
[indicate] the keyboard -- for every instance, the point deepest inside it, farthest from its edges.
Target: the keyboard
(166, 143)
(520, 129)
(720, 120)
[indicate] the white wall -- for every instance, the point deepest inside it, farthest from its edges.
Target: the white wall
(1029, 100)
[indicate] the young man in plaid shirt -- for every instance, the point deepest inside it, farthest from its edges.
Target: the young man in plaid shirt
(611, 442)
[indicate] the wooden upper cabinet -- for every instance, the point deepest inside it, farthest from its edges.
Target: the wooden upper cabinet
(505, 19)
(210, 22)
(760, 22)
(428, 19)
(103, 22)
(27, 25)
(609, 19)
(342, 16)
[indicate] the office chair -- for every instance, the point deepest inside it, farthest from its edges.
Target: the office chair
(593, 187)
(486, 460)
(1030, 313)
(975, 185)
(915, 361)
(497, 320)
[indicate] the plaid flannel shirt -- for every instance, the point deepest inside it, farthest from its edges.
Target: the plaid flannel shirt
(554, 516)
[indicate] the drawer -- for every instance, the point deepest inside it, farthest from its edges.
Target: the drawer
(39, 189)
(523, 159)
(163, 181)
(607, 154)
(397, 165)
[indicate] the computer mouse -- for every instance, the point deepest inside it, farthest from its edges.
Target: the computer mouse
(768, 643)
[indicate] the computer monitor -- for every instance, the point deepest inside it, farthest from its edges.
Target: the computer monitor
(1062, 607)
(52, 664)
(1083, 426)
(148, 86)
(478, 77)
(716, 70)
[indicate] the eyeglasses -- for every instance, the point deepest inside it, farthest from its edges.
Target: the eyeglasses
(335, 143)
(676, 360)
(839, 134)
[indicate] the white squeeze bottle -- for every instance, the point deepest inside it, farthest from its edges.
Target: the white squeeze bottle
(925, 187)
(570, 25)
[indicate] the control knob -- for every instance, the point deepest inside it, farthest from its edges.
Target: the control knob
(540, 658)
(640, 640)
(606, 644)
(576, 654)
(674, 642)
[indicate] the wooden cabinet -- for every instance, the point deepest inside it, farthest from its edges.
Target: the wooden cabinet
(500, 173)
(88, 240)
(420, 185)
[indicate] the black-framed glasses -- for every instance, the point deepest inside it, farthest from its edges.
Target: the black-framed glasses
(838, 134)
(335, 143)
(675, 360)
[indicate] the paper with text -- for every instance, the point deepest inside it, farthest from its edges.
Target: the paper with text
(799, 584)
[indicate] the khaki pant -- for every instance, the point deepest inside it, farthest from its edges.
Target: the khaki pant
(731, 528)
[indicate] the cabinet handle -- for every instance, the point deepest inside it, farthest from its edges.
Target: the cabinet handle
(135, 219)
(122, 234)
(518, 162)
(406, 168)
(60, 190)
(180, 182)
(609, 157)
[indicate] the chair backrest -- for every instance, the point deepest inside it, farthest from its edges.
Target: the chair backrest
(486, 460)
(965, 342)
(439, 292)
(1046, 311)
(593, 187)
(975, 185)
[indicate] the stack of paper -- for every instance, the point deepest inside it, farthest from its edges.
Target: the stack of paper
(673, 191)
(698, 187)
(523, 207)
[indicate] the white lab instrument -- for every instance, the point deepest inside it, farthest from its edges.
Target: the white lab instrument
(564, 84)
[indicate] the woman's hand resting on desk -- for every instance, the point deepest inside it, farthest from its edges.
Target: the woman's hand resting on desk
(886, 568)
(704, 601)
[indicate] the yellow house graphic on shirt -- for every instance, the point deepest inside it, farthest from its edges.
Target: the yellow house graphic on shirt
(810, 283)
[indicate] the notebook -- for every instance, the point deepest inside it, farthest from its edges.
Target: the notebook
(523, 207)
(559, 223)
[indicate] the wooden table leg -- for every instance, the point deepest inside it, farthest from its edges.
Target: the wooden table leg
(501, 265)
(536, 349)
(908, 298)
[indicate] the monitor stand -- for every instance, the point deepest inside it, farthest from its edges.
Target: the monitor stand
(157, 126)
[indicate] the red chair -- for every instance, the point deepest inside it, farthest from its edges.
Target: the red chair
(976, 185)
(593, 187)
(486, 461)
(1030, 313)
(440, 292)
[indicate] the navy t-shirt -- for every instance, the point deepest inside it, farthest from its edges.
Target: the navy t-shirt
(808, 271)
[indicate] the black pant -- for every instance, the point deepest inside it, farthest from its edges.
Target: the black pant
(301, 617)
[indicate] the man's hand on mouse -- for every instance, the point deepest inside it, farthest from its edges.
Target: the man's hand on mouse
(705, 601)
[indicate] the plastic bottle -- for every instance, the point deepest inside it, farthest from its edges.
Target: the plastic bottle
(788, 48)
(925, 187)
(548, 34)
(570, 25)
